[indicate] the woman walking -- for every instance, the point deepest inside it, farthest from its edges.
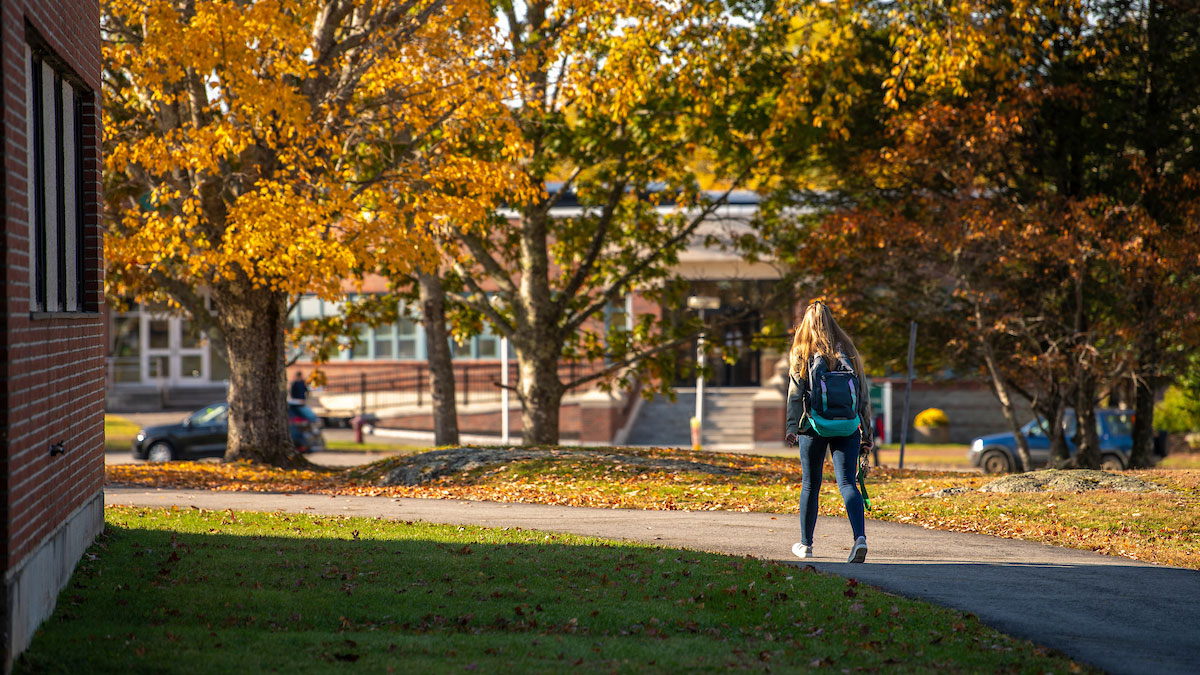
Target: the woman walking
(823, 358)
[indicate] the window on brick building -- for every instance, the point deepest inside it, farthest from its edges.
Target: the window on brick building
(54, 140)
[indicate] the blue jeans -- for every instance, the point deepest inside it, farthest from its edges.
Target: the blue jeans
(845, 469)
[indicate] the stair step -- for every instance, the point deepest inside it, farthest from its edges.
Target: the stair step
(728, 418)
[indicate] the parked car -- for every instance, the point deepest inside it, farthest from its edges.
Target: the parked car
(205, 432)
(997, 453)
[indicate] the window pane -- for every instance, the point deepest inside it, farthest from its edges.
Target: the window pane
(189, 366)
(1119, 424)
(189, 337)
(407, 327)
(363, 345)
(486, 346)
(218, 369)
(70, 247)
(50, 184)
(383, 347)
(125, 336)
(460, 350)
(309, 307)
(406, 349)
(159, 334)
(125, 349)
(160, 367)
(213, 414)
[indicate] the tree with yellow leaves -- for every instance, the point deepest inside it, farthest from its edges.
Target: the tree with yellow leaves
(616, 100)
(257, 151)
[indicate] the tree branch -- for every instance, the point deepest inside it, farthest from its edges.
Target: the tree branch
(615, 287)
(599, 237)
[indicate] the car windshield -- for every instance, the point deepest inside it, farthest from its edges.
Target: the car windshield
(212, 414)
(1036, 429)
(1120, 424)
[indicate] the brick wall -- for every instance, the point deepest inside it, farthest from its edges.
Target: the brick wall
(770, 416)
(52, 366)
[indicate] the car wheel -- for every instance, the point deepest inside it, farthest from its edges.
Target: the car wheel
(1111, 463)
(996, 461)
(160, 451)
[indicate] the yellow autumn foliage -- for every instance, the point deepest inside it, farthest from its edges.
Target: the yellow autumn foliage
(294, 144)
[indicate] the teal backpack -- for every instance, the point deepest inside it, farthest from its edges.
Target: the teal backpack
(832, 398)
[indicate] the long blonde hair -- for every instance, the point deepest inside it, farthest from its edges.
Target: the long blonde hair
(819, 333)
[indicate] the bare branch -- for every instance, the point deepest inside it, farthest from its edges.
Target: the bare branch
(615, 287)
(599, 237)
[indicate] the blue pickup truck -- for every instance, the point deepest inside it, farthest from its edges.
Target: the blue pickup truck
(997, 453)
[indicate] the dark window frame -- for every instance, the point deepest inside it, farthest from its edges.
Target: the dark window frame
(41, 58)
(38, 206)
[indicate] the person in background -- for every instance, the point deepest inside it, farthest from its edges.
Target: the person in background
(819, 337)
(298, 390)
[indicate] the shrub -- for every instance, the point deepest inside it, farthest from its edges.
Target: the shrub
(1177, 413)
(931, 417)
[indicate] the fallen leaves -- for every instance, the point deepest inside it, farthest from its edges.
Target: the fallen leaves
(1156, 528)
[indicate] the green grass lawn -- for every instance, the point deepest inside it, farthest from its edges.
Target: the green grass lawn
(949, 455)
(192, 591)
(118, 433)
(1181, 461)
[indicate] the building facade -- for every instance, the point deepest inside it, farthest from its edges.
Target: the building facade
(52, 335)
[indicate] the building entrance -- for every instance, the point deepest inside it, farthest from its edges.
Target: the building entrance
(735, 325)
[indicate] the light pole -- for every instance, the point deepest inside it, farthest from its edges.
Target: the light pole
(497, 303)
(504, 390)
(701, 303)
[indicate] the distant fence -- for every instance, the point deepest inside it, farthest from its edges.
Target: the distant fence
(473, 382)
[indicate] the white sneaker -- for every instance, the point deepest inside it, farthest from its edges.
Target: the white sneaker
(801, 551)
(859, 552)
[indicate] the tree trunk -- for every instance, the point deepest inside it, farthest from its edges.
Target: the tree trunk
(253, 321)
(1087, 441)
(1060, 456)
(1142, 456)
(441, 368)
(541, 394)
(1000, 389)
(1148, 354)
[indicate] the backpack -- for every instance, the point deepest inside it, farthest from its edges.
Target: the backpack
(832, 398)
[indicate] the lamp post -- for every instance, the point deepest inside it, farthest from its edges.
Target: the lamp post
(497, 303)
(504, 390)
(700, 303)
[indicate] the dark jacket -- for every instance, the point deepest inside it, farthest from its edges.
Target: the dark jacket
(797, 398)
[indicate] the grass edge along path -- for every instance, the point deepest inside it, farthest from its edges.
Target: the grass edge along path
(1156, 528)
(170, 590)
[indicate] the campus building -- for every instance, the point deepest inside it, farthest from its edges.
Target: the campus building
(52, 331)
(156, 360)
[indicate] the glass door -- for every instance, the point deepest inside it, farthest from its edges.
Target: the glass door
(174, 353)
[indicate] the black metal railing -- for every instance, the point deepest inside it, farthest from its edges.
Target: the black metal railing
(473, 382)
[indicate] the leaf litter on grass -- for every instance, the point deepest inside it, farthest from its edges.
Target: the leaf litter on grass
(1164, 531)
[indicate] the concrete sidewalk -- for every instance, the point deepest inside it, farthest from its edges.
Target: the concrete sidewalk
(1121, 615)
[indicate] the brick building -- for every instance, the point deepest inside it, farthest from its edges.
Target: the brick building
(52, 330)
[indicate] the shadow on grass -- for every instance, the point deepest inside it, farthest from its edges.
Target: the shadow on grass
(298, 593)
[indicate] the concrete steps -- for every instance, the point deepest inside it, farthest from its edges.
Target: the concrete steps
(728, 418)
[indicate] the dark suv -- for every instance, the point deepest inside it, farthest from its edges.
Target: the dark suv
(205, 432)
(997, 453)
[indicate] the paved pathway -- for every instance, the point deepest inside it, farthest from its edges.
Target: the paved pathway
(1118, 614)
